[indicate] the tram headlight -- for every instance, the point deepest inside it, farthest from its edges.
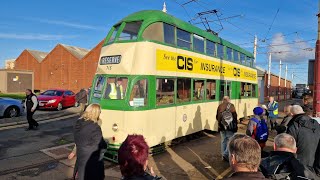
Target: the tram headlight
(115, 127)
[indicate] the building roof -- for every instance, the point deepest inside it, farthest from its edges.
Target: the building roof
(10, 60)
(38, 55)
(262, 72)
(76, 51)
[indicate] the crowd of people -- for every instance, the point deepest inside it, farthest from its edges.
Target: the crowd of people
(296, 153)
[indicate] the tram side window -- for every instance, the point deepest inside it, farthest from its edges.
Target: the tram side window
(254, 86)
(139, 93)
(98, 87)
(225, 89)
(242, 58)
(220, 51)
(169, 34)
(211, 89)
(229, 54)
(114, 33)
(130, 31)
(249, 61)
(199, 90)
(211, 48)
(246, 89)
(183, 39)
(116, 88)
(198, 43)
(165, 91)
(183, 90)
(154, 32)
(236, 57)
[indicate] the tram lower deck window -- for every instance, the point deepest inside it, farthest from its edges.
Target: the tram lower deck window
(165, 91)
(139, 93)
(246, 89)
(183, 90)
(116, 88)
(211, 89)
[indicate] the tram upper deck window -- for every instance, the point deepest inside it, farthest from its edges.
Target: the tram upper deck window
(155, 32)
(183, 39)
(116, 88)
(229, 54)
(183, 90)
(130, 31)
(220, 51)
(242, 58)
(114, 33)
(165, 91)
(169, 34)
(198, 43)
(210, 48)
(236, 57)
(249, 61)
(139, 93)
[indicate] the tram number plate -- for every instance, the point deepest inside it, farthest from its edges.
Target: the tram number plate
(110, 60)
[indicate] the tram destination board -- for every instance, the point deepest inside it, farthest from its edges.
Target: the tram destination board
(110, 60)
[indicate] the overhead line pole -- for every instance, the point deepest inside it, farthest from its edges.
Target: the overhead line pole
(285, 83)
(279, 81)
(255, 49)
(269, 74)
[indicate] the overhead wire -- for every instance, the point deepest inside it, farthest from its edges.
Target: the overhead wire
(272, 23)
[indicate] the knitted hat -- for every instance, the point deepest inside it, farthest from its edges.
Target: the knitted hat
(258, 111)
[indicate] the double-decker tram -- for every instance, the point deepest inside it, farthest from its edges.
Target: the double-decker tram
(164, 78)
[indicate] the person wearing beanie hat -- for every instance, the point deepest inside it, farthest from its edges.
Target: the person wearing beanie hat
(253, 125)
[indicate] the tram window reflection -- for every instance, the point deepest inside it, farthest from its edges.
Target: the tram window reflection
(220, 51)
(242, 58)
(183, 39)
(211, 48)
(199, 90)
(169, 34)
(165, 91)
(155, 32)
(114, 33)
(236, 57)
(139, 93)
(211, 89)
(198, 43)
(130, 31)
(116, 88)
(229, 54)
(183, 90)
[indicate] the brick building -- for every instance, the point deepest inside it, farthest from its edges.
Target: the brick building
(61, 68)
(65, 67)
(30, 60)
(90, 64)
(282, 93)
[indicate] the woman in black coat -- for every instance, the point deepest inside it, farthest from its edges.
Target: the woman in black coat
(90, 145)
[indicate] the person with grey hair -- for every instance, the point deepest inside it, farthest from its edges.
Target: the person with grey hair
(228, 124)
(244, 158)
(284, 123)
(306, 132)
(282, 162)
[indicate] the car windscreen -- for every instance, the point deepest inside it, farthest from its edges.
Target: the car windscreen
(52, 93)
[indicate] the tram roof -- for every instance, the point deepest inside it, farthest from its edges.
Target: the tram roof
(151, 16)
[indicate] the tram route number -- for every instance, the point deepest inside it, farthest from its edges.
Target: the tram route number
(105, 60)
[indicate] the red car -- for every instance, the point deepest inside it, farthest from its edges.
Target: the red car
(56, 99)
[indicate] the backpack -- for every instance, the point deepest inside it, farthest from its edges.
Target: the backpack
(227, 119)
(262, 130)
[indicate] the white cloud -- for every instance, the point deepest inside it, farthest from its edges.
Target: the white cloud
(67, 24)
(44, 37)
(294, 51)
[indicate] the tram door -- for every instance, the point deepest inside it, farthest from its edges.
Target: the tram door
(225, 89)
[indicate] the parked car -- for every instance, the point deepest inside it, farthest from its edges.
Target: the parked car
(10, 107)
(56, 99)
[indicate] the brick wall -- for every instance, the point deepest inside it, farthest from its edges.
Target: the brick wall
(27, 62)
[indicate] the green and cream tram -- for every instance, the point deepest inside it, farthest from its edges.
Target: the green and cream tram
(164, 78)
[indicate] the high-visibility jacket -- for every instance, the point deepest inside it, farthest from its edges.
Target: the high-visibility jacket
(114, 94)
(273, 109)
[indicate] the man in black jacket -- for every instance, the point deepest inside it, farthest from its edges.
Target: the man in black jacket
(306, 132)
(282, 162)
(31, 103)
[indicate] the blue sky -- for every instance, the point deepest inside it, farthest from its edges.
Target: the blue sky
(41, 25)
